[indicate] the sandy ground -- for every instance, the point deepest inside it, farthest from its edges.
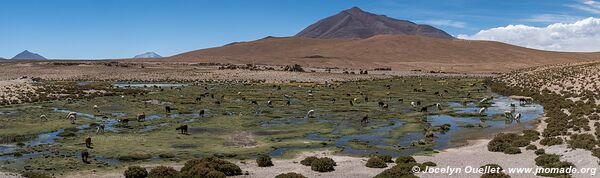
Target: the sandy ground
(475, 154)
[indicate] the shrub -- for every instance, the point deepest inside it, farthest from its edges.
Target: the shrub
(405, 159)
(264, 161)
(290, 175)
(400, 170)
(430, 164)
(584, 141)
(596, 152)
(376, 162)
(540, 151)
(201, 167)
(386, 158)
(229, 169)
(546, 159)
(163, 172)
(35, 175)
(549, 141)
(323, 165)
(531, 134)
(531, 147)
(512, 150)
(521, 142)
(502, 141)
(215, 174)
(135, 172)
(308, 160)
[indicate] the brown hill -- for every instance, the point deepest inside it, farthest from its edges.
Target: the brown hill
(356, 23)
(399, 52)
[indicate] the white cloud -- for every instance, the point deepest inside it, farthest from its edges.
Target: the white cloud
(444, 22)
(580, 36)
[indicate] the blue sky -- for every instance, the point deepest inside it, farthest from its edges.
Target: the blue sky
(84, 29)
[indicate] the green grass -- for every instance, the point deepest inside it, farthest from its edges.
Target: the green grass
(236, 121)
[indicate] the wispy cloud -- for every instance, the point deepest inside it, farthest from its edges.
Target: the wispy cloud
(589, 6)
(553, 18)
(444, 22)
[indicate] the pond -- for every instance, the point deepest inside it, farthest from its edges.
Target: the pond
(379, 141)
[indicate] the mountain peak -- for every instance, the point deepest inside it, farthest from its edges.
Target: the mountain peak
(356, 23)
(26, 55)
(354, 10)
(148, 55)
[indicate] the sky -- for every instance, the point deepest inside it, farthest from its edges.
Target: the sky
(99, 29)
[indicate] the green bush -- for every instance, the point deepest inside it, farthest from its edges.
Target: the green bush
(386, 158)
(201, 167)
(520, 142)
(215, 174)
(549, 141)
(546, 159)
(584, 141)
(376, 162)
(229, 169)
(531, 147)
(531, 134)
(35, 175)
(503, 141)
(398, 171)
(540, 151)
(430, 164)
(264, 161)
(135, 172)
(596, 152)
(323, 165)
(308, 160)
(405, 159)
(512, 150)
(290, 175)
(163, 172)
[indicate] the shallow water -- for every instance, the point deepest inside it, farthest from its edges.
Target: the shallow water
(148, 85)
(375, 136)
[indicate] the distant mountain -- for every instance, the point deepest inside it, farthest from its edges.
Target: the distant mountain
(26, 55)
(356, 23)
(360, 40)
(148, 55)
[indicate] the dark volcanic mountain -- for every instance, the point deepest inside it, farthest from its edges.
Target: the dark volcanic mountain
(26, 55)
(356, 23)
